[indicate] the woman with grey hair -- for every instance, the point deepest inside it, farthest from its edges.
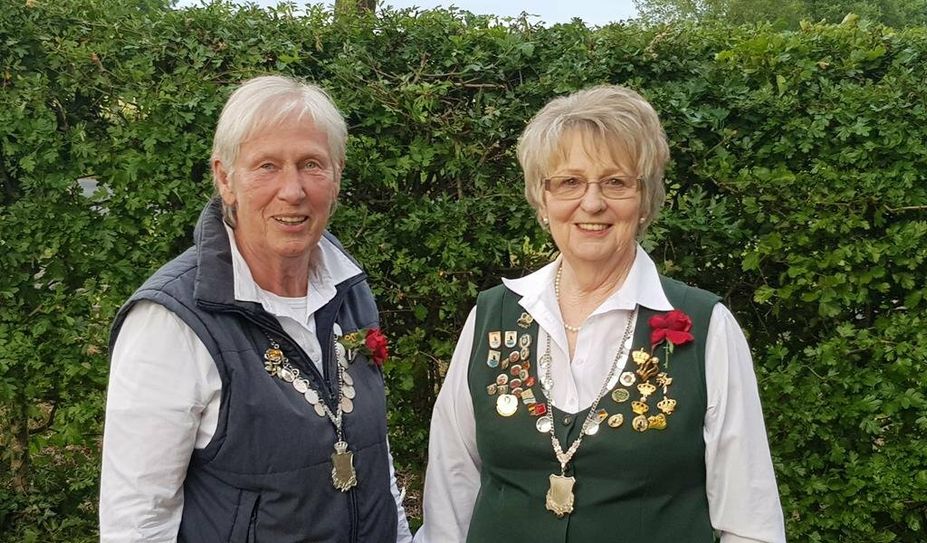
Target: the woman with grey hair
(246, 398)
(594, 399)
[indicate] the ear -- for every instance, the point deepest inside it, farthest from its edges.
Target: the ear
(542, 207)
(223, 181)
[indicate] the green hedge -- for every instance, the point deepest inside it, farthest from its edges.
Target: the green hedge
(798, 191)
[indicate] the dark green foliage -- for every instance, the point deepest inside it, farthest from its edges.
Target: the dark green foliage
(798, 191)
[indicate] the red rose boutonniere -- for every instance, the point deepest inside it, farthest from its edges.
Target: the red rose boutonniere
(673, 327)
(372, 342)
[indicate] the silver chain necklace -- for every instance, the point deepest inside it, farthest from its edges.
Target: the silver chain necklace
(344, 476)
(560, 493)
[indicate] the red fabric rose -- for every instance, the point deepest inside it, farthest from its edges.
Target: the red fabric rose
(673, 327)
(377, 345)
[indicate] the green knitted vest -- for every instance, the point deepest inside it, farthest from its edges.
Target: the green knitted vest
(631, 486)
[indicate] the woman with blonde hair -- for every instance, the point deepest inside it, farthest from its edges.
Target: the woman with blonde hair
(594, 399)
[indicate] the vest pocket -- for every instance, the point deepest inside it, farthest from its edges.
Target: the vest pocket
(245, 517)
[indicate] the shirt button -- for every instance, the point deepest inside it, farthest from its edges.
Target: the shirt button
(567, 420)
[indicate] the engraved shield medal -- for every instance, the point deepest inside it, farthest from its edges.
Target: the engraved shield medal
(560, 495)
(343, 475)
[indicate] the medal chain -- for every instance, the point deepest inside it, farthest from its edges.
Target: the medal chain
(547, 384)
(338, 415)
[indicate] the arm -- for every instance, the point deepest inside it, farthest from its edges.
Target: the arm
(403, 535)
(452, 480)
(161, 381)
(743, 499)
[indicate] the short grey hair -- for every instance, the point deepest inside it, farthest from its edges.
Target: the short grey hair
(612, 115)
(268, 101)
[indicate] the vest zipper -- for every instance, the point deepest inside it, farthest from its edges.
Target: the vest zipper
(272, 325)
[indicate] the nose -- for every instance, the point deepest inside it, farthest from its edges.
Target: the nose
(291, 186)
(592, 201)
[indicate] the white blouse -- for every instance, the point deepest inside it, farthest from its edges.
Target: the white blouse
(741, 486)
(163, 401)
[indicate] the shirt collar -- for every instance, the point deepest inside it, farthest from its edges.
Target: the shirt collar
(642, 286)
(328, 267)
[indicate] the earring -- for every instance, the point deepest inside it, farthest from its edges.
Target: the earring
(643, 220)
(545, 220)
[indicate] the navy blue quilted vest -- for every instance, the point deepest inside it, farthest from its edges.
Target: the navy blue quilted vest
(266, 474)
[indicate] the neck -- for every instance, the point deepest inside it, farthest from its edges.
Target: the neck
(583, 282)
(288, 277)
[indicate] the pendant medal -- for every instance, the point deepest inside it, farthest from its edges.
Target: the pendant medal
(560, 495)
(343, 475)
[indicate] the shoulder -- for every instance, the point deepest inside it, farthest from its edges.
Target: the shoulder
(682, 294)
(171, 287)
(493, 299)
(491, 295)
(172, 275)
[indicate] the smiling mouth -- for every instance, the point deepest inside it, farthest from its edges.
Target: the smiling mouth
(291, 221)
(591, 227)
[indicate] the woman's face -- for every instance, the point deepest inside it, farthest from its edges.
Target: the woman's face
(592, 230)
(284, 185)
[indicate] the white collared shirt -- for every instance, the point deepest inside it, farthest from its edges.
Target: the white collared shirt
(742, 495)
(164, 394)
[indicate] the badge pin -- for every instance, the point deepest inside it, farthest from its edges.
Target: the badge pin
(524, 340)
(667, 405)
(506, 405)
(511, 338)
(495, 339)
(640, 356)
(591, 427)
(493, 360)
(646, 389)
(525, 320)
(620, 395)
(657, 422)
(616, 420)
(544, 424)
(627, 379)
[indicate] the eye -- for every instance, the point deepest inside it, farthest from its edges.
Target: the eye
(616, 182)
(311, 165)
(570, 182)
(267, 166)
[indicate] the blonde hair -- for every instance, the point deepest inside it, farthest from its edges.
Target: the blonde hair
(612, 116)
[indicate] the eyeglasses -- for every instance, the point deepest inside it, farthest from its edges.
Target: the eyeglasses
(573, 187)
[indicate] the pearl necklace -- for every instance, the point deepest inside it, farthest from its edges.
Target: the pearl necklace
(568, 327)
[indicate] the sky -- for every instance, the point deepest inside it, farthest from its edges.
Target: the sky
(592, 12)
